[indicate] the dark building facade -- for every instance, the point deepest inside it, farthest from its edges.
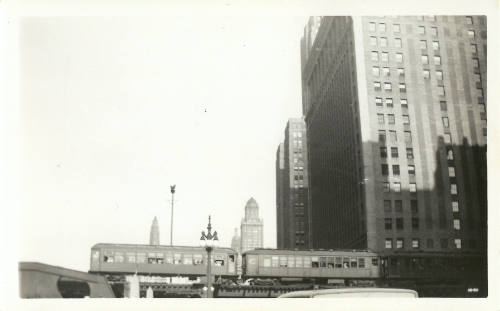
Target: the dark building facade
(395, 109)
(292, 183)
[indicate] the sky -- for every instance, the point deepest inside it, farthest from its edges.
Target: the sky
(113, 110)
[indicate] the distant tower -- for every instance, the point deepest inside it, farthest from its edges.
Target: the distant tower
(252, 234)
(154, 235)
(236, 245)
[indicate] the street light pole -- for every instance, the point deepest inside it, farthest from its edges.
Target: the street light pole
(209, 241)
(172, 190)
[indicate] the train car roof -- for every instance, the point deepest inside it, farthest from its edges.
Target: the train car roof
(269, 251)
(159, 247)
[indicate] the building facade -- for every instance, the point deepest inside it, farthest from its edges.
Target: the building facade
(236, 245)
(395, 109)
(154, 234)
(252, 227)
(292, 182)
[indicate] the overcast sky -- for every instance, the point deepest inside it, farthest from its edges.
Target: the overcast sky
(114, 110)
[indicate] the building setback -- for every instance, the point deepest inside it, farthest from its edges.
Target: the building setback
(252, 234)
(395, 109)
(292, 188)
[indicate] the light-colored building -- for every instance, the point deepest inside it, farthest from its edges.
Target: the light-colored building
(252, 227)
(154, 234)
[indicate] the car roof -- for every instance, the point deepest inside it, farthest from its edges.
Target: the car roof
(349, 292)
(334, 252)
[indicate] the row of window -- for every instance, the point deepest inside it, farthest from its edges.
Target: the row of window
(396, 170)
(396, 28)
(396, 187)
(389, 102)
(331, 262)
(377, 85)
(393, 137)
(392, 119)
(395, 152)
(415, 243)
(384, 57)
(386, 71)
(398, 206)
(161, 258)
(383, 42)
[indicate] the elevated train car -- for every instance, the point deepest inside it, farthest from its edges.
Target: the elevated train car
(320, 265)
(161, 260)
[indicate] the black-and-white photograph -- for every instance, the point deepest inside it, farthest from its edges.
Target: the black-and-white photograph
(246, 156)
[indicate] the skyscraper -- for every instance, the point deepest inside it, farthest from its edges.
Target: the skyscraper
(252, 234)
(154, 234)
(395, 109)
(236, 245)
(292, 188)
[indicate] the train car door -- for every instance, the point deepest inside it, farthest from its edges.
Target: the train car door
(252, 264)
(231, 266)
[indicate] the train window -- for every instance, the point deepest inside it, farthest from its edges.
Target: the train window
(361, 263)
(131, 257)
(374, 261)
(177, 259)
(354, 262)
(314, 262)
(322, 262)
(169, 259)
(141, 257)
(119, 257)
(231, 258)
(108, 256)
(345, 262)
(307, 262)
(298, 262)
(151, 258)
(283, 262)
(275, 261)
(219, 259)
(95, 256)
(267, 262)
(159, 258)
(291, 262)
(188, 259)
(338, 262)
(331, 262)
(198, 259)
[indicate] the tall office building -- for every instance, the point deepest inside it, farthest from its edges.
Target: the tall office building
(252, 233)
(292, 185)
(395, 109)
(154, 234)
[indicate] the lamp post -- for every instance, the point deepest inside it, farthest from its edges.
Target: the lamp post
(172, 190)
(209, 241)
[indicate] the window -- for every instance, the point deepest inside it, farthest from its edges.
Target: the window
(401, 72)
(437, 60)
(376, 86)
(440, 90)
(430, 243)
(425, 59)
(421, 30)
(404, 103)
(381, 27)
(388, 223)
(473, 48)
(398, 43)
(385, 169)
(426, 74)
(406, 119)
(177, 259)
(409, 153)
(423, 45)
(388, 207)
(392, 119)
(458, 243)
(345, 262)
(482, 115)
(397, 187)
(415, 243)
(373, 41)
(385, 185)
(435, 45)
(386, 72)
(453, 189)
(361, 262)
(387, 86)
(456, 224)
(383, 42)
(388, 102)
(446, 122)
(378, 101)
(380, 118)
(439, 75)
(376, 71)
(484, 131)
(398, 206)
(468, 20)
(388, 243)
(443, 106)
(119, 257)
(475, 62)
(399, 223)
(314, 262)
(372, 27)
(402, 87)
(399, 57)
(392, 136)
(444, 243)
(188, 259)
(411, 170)
(396, 28)
(447, 138)
(141, 257)
(374, 56)
(451, 171)
(434, 31)
(415, 223)
(413, 187)
(449, 154)
(283, 262)
(414, 206)
(385, 56)
(198, 259)
(400, 243)
(375, 261)
(407, 137)
(383, 152)
(471, 34)
(394, 152)
(381, 135)
(395, 169)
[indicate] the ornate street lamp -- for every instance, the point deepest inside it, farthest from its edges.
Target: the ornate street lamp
(209, 241)
(172, 191)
